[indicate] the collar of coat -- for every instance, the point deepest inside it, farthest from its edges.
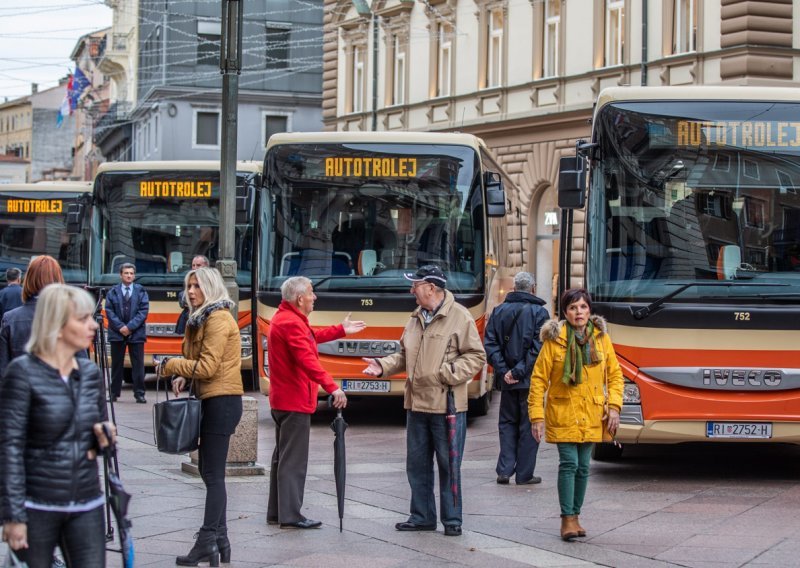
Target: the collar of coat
(555, 329)
(199, 318)
(449, 299)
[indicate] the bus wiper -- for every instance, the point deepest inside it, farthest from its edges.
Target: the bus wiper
(642, 313)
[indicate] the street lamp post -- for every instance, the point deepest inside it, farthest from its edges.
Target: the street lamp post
(230, 64)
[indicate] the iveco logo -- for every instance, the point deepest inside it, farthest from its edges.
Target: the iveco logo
(742, 377)
(368, 348)
(721, 379)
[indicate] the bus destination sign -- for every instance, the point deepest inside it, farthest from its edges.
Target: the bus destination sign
(33, 206)
(738, 133)
(371, 167)
(154, 189)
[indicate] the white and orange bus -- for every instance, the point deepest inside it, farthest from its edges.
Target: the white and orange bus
(46, 218)
(158, 216)
(692, 236)
(355, 211)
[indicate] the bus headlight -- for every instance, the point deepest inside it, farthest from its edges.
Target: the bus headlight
(264, 351)
(247, 342)
(630, 393)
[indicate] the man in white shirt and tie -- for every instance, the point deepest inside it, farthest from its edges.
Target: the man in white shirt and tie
(127, 306)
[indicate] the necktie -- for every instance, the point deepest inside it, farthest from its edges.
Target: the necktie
(127, 292)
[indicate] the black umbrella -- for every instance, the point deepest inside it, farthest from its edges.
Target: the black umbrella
(339, 461)
(452, 444)
(118, 500)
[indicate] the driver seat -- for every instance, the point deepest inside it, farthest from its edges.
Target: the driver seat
(367, 262)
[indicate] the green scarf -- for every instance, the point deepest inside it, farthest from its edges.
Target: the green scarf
(581, 350)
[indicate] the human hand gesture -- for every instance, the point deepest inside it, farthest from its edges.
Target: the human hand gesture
(177, 385)
(339, 398)
(373, 367)
(16, 535)
(351, 327)
(537, 429)
(509, 378)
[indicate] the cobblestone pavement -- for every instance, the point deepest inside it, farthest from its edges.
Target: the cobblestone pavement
(701, 506)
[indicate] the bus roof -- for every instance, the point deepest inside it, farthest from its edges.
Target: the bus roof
(380, 137)
(176, 165)
(696, 93)
(49, 187)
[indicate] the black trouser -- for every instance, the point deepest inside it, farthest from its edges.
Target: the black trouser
(287, 476)
(518, 448)
(81, 537)
(221, 414)
(136, 352)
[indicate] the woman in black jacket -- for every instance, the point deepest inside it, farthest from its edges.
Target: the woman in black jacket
(16, 325)
(52, 411)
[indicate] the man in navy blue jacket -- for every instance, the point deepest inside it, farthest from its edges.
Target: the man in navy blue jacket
(512, 344)
(11, 295)
(127, 306)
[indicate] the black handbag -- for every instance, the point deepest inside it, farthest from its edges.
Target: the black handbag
(176, 422)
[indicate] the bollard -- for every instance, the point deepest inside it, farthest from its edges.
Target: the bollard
(243, 451)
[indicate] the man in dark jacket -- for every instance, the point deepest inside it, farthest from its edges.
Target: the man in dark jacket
(512, 344)
(11, 295)
(127, 306)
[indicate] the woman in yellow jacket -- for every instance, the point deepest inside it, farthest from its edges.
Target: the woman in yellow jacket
(212, 351)
(576, 361)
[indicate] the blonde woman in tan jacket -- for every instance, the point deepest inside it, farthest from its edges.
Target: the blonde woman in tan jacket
(211, 358)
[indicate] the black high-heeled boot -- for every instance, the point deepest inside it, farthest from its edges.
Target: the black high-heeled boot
(204, 550)
(224, 545)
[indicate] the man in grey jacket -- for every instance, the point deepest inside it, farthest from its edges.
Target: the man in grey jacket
(440, 350)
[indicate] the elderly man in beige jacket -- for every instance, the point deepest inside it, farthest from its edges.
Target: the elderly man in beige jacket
(440, 350)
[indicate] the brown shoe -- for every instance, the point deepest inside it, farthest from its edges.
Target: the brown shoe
(581, 530)
(569, 527)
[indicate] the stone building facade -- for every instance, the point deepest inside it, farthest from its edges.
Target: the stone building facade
(524, 75)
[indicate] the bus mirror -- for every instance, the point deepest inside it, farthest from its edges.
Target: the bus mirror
(242, 203)
(74, 218)
(572, 182)
(495, 195)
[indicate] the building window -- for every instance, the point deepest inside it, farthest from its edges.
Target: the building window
(445, 60)
(206, 129)
(399, 75)
(273, 122)
(277, 48)
(208, 42)
(615, 32)
(684, 31)
(494, 54)
(358, 79)
(552, 25)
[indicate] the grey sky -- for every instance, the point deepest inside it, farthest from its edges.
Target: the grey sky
(37, 37)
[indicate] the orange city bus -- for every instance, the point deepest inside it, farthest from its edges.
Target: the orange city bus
(158, 216)
(354, 212)
(46, 218)
(692, 232)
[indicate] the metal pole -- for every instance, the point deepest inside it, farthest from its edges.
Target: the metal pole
(230, 63)
(374, 72)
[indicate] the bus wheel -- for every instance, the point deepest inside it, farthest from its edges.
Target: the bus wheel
(480, 406)
(606, 452)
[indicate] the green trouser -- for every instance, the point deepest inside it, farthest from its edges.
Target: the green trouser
(573, 476)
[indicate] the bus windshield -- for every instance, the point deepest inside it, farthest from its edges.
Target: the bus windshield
(35, 223)
(355, 217)
(686, 192)
(160, 220)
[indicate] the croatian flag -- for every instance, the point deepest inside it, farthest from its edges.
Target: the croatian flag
(66, 108)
